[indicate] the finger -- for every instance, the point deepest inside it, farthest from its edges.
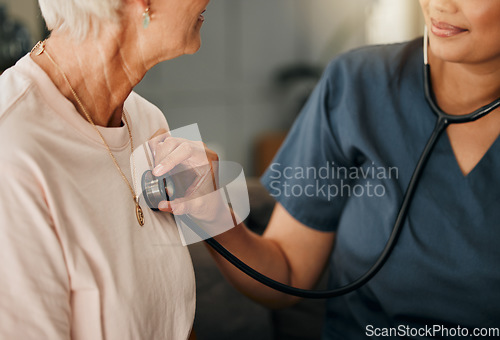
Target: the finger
(177, 207)
(174, 158)
(181, 154)
(166, 146)
(155, 143)
(159, 136)
(165, 206)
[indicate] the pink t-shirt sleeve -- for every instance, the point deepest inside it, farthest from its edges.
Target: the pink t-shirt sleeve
(34, 293)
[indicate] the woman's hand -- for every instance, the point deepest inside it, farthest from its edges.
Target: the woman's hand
(191, 169)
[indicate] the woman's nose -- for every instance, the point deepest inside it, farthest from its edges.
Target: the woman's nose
(444, 6)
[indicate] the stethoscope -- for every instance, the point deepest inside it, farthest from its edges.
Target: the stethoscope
(155, 190)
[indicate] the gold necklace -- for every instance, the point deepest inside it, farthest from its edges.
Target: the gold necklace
(40, 46)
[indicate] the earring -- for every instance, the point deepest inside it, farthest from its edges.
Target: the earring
(146, 18)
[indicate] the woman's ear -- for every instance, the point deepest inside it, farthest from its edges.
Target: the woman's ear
(140, 5)
(144, 4)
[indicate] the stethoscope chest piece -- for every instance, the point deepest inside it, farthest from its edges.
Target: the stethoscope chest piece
(156, 189)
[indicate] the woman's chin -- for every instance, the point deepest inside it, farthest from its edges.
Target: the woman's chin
(193, 47)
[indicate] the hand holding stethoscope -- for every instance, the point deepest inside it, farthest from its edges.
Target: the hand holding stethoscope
(188, 173)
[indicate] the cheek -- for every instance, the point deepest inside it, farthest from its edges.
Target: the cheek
(485, 21)
(424, 6)
(178, 29)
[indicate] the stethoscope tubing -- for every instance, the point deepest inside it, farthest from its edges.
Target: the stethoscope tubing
(379, 263)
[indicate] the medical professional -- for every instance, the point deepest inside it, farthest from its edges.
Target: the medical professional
(79, 257)
(340, 177)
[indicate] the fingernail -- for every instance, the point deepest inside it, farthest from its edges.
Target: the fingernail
(158, 170)
(164, 205)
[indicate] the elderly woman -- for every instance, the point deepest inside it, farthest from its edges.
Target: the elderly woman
(368, 116)
(80, 257)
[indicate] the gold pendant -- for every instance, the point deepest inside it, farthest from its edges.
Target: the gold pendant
(140, 214)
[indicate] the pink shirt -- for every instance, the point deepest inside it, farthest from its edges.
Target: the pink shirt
(74, 263)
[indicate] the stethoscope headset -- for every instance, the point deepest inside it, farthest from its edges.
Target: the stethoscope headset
(155, 190)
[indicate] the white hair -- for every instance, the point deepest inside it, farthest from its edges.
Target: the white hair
(76, 16)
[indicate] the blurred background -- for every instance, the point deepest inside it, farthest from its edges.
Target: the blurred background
(258, 63)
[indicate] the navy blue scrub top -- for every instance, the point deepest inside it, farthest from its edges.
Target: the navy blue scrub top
(344, 168)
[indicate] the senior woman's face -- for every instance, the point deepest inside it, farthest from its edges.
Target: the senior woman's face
(463, 31)
(178, 23)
